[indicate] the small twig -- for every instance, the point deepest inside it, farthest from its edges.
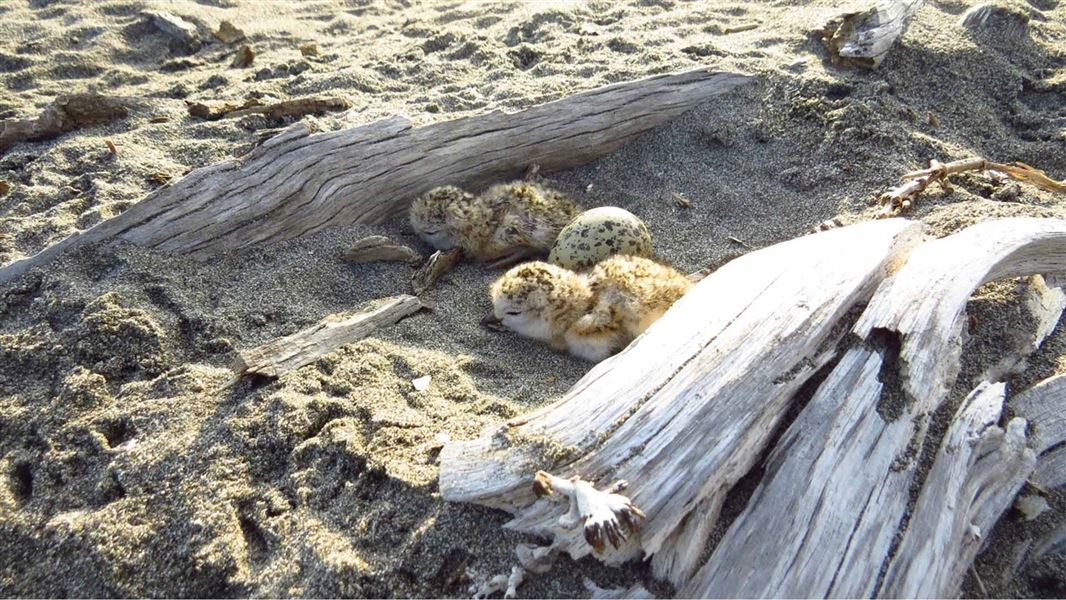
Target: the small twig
(900, 198)
(739, 241)
(740, 28)
(980, 584)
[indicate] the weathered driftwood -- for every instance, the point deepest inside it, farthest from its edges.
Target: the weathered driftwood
(64, 114)
(863, 38)
(282, 355)
(296, 183)
(977, 472)
(436, 266)
(823, 519)
(1044, 406)
(380, 248)
(1045, 305)
(685, 410)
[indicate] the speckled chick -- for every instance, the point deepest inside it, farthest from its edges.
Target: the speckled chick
(447, 217)
(591, 315)
(508, 222)
(529, 218)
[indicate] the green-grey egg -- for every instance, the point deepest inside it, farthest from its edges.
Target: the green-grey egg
(597, 234)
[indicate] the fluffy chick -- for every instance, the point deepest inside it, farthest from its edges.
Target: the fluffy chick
(447, 217)
(591, 315)
(508, 222)
(529, 218)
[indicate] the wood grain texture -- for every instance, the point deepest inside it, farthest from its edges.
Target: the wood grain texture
(823, 519)
(282, 355)
(686, 409)
(863, 38)
(297, 183)
(977, 472)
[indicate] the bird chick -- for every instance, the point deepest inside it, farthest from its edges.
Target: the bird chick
(507, 223)
(591, 315)
(529, 218)
(447, 217)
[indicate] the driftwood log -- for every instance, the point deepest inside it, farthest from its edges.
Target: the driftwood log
(296, 183)
(686, 410)
(863, 38)
(282, 355)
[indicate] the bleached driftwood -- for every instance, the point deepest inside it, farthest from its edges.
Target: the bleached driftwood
(977, 472)
(685, 410)
(282, 355)
(863, 38)
(1044, 406)
(835, 489)
(296, 183)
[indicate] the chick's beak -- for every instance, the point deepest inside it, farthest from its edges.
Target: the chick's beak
(492, 323)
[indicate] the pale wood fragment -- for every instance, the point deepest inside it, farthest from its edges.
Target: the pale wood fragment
(439, 264)
(863, 38)
(380, 248)
(282, 355)
(1044, 406)
(297, 183)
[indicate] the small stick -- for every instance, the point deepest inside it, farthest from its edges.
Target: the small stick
(380, 248)
(901, 197)
(739, 28)
(980, 584)
(739, 241)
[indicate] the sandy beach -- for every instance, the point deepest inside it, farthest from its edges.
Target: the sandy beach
(126, 469)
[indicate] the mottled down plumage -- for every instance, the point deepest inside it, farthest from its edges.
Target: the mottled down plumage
(591, 315)
(507, 222)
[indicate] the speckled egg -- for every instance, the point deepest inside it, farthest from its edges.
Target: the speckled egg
(598, 233)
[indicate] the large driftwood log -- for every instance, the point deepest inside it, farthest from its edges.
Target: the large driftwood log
(297, 183)
(685, 410)
(823, 520)
(863, 38)
(282, 355)
(977, 472)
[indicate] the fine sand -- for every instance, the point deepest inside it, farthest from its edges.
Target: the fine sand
(125, 472)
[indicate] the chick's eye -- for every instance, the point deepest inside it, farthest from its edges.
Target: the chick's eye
(513, 313)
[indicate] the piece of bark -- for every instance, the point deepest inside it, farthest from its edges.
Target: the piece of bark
(974, 478)
(296, 183)
(863, 39)
(439, 264)
(179, 29)
(65, 113)
(823, 519)
(684, 411)
(282, 355)
(244, 57)
(380, 248)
